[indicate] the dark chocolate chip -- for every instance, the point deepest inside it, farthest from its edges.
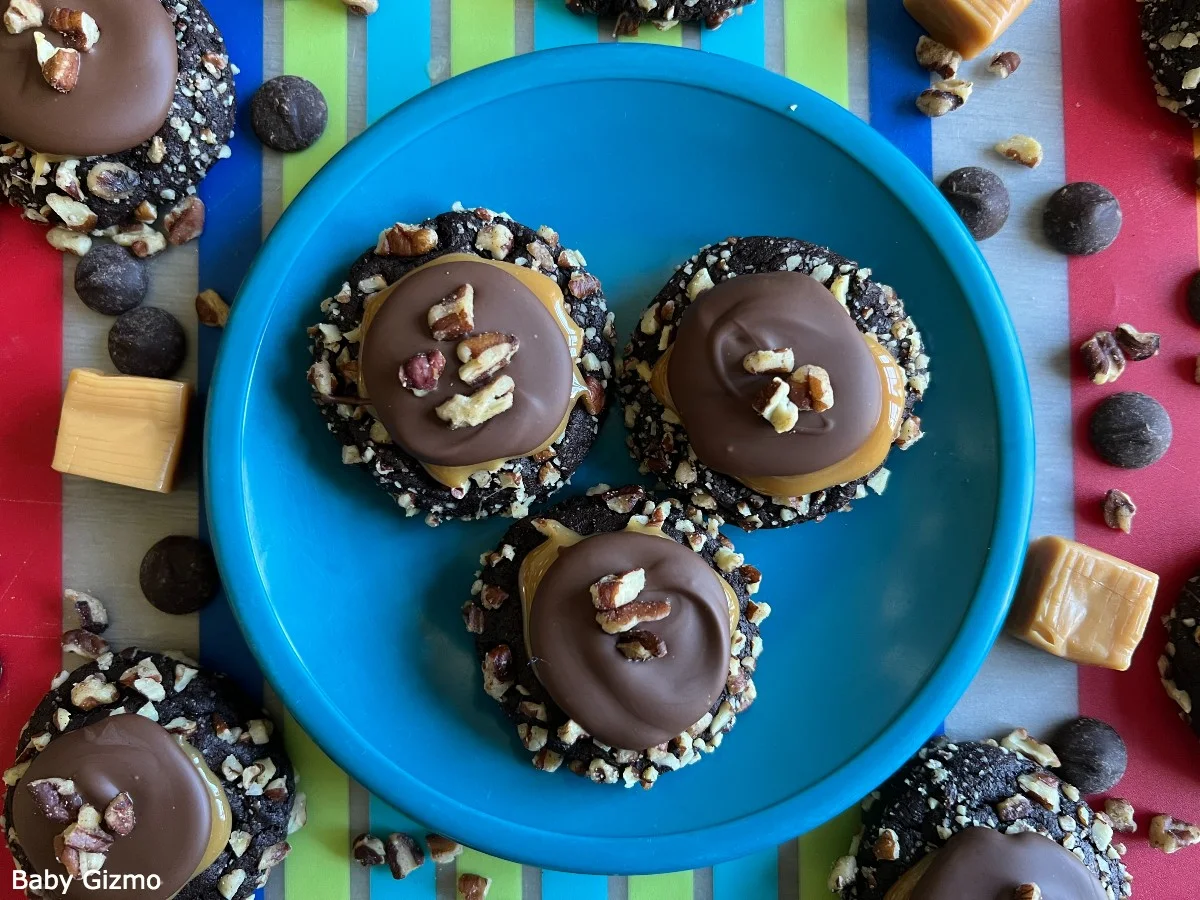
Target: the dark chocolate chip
(111, 280)
(1193, 298)
(147, 341)
(980, 199)
(1093, 755)
(1081, 218)
(1130, 430)
(288, 113)
(179, 575)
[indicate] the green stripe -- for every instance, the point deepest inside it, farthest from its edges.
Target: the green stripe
(648, 34)
(673, 886)
(815, 47)
(505, 875)
(481, 32)
(820, 848)
(314, 47)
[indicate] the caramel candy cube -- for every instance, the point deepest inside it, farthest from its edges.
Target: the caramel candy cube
(122, 429)
(967, 26)
(1081, 604)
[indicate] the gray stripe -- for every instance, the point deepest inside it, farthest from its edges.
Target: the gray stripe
(773, 23)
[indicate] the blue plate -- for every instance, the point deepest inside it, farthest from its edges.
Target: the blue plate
(637, 155)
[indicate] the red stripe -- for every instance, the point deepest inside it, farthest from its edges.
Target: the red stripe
(30, 491)
(1117, 135)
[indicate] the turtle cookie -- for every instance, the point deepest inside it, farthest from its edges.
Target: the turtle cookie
(144, 774)
(619, 634)
(981, 819)
(111, 113)
(1171, 41)
(1179, 666)
(630, 15)
(465, 364)
(769, 380)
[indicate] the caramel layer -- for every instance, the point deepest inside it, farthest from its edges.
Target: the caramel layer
(967, 26)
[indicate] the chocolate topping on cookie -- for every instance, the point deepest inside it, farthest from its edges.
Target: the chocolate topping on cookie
(715, 394)
(173, 809)
(123, 93)
(631, 701)
(509, 374)
(982, 862)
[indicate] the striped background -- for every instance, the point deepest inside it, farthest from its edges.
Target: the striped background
(1082, 91)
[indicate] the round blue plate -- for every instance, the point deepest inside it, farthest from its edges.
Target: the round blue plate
(637, 155)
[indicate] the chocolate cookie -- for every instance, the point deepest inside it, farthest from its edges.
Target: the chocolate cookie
(153, 109)
(932, 816)
(472, 387)
(74, 752)
(618, 633)
(1179, 666)
(632, 14)
(1172, 47)
(765, 401)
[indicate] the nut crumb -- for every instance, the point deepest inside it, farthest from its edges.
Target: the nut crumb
(1169, 835)
(934, 56)
(1119, 510)
(1103, 357)
(1005, 63)
(775, 405)
(944, 97)
(1022, 149)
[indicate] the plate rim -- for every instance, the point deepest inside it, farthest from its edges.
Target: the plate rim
(225, 490)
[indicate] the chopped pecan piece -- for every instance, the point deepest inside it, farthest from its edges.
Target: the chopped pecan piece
(614, 591)
(944, 97)
(119, 817)
(211, 309)
(1023, 149)
(473, 887)
(639, 645)
(112, 181)
(1120, 813)
(406, 240)
(403, 854)
(93, 691)
(60, 65)
(454, 316)
(583, 285)
(887, 846)
(1168, 834)
(22, 15)
(1027, 891)
(84, 643)
(780, 361)
(185, 221)
(774, 404)
(56, 798)
(496, 239)
(811, 389)
(1119, 510)
(462, 411)
(77, 26)
(368, 850)
(442, 849)
(937, 57)
(74, 215)
(420, 373)
(1137, 345)
(629, 616)
(1003, 64)
(594, 399)
(1020, 741)
(497, 671)
(484, 355)
(1103, 357)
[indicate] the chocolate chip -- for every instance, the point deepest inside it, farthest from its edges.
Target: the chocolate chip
(1193, 298)
(1081, 218)
(179, 575)
(1093, 755)
(147, 341)
(111, 280)
(1130, 430)
(980, 199)
(288, 113)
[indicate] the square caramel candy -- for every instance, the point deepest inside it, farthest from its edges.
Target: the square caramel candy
(967, 26)
(1081, 604)
(122, 429)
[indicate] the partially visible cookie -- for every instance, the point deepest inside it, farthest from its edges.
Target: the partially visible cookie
(618, 633)
(632, 14)
(946, 792)
(465, 364)
(1171, 41)
(1179, 666)
(73, 756)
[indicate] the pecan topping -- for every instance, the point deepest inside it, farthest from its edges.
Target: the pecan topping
(442, 849)
(944, 97)
(56, 798)
(368, 850)
(1119, 510)
(887, 847)
(811, 390)
(1120, 814)
(630, 615)
(85, 833)
(1103, 357)
(780, 361)
(406, 240)
(22, 15)
(1020, 741)
(112, 181)
(774, 404)
(594, 399)
(1168, 834)
(1028, 891)
(473, 887)
(473, 618)
(60, 65)
(583, 285)
(1041, 787)
(1005, 63)
(74, 215)
(1137, 345)
(614, 591)
(185, 221)
(420, 373)
(497, 671)
(77, 26)
(484, 355)
(1023, 149)
(403, 855)
(462, 411)
(639, 646)
(84, 643)
(496, 239)
(118, 815)
(93, 691)
(211, 309)
(937, 57)
(454, 316)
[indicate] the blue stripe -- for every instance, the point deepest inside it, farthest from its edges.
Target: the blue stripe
(555, 26)
(565, 886)
(419, 885)
(232, 194)
(894, 80)
(743, 37)
(398, 38)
